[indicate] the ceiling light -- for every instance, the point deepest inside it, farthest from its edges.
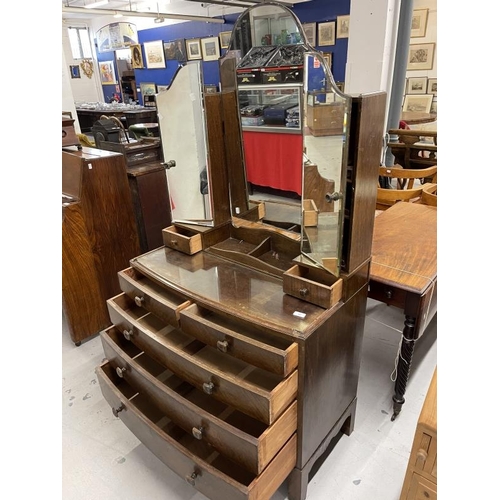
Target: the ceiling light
(99, 3)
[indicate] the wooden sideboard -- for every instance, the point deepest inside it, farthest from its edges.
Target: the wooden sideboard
(99, 236)
(421, 475)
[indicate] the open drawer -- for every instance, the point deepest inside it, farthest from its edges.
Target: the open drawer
(207, 470)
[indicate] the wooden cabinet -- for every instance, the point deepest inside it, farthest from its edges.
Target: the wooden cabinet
(420, 482)
(326, 119)
(99, 236)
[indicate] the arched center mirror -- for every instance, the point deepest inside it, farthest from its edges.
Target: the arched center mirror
(294, 123)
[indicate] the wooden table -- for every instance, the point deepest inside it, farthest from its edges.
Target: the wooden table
(404, 274)
(413, 118)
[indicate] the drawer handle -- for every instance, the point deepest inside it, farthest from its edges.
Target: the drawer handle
(208, 387)
(388, 294)
(197, 432)
(174, 242)
(303, 292)
(118, 410)
(421, 457)
(120, 371)
(139, 300)
(128, 334)
(222, 345)
(192, 478)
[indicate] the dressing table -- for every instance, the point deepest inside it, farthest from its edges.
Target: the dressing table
(234, 351)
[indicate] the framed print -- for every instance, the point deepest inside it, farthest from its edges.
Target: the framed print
(343, 26)
(155, 56)
(328, 58)
(210, 48)
(434, 108)
(310, 32)
(432, 86)
(75, 71)
(148, 88)
(417, 85)
(107, 72)
(211, 89)
(175, 50)
(193, 47)
(420, 56)
(326, 33)
(224, 38)
(418, 103)
(136, 53)
(419, 22)
(161, 88)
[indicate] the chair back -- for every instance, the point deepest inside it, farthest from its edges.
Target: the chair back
(429, 194)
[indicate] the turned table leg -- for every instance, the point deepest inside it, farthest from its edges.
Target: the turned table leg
(404, 364)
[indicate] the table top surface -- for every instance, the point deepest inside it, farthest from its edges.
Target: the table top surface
(413, 118)
(404, 250)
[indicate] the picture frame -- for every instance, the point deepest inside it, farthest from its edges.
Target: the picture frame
(416, 85)
(310, 32)
(434, 105)
(175, 50)
(210, 48)
(154, 54)
(107, 73)
(193, 48)
(148, 88)
(75, 71)
(432, 86)
(326, 33)
(328, 58)
(419, 23)
(343, 26)
(420, 103)
(421, 56)
(161, 88)
(211, 89)
(224, 39)
(136, 56)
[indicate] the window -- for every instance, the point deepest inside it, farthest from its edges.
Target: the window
(79, 40)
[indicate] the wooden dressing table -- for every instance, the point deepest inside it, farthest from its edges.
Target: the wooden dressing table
(403, 274)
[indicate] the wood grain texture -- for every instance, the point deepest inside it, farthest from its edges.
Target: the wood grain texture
(315, 188)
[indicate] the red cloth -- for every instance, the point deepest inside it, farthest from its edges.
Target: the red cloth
(403, 125)
(274, 160)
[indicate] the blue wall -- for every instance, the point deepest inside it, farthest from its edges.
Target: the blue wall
(308, 12)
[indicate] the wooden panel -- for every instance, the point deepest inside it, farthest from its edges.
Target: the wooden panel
(421, 489)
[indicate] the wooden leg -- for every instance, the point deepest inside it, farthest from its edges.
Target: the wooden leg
(297, 484)
(404, 364)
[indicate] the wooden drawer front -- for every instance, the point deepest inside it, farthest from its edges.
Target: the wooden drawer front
(182, 239)
(203, 467)
(238, 436)
(421, 488)
(426, 454)
(146, 293)
(255, 392)
(242, 341)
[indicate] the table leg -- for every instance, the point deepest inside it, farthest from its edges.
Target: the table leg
(404, 364)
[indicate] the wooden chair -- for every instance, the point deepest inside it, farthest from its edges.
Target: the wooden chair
(414, 148)
(405, 189)
(429, 194)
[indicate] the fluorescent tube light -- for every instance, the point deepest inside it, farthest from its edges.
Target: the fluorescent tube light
(99, 3)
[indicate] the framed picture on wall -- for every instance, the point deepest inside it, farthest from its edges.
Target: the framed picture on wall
(155, 56)
(210, 48)
(175, 50)
(148, 88)
(328, 58)
(417, 85)
(418, 103)
(420, 56)
(310, 31)
(75, 71)
(419, 23)
(161, 88)
(224, 38)
(326, 33)
(343, 26)
(434, 107)
(136, 55)
(211, 89)
(193, 47)
(107, 72)
(432, 86)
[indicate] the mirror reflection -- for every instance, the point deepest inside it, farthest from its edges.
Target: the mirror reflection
(182, 125)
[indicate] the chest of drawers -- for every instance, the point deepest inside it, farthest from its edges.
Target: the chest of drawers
(234, 385)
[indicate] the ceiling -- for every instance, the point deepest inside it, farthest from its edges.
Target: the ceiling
(75, 9)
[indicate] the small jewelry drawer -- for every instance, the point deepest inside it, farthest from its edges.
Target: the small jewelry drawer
(196, 461)
(151, 296)
(253, 391)
(238, 436)
(255, 345)
(182, 239)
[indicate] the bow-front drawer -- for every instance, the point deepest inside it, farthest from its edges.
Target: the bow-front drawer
(196, 461)
(248, 342)
(236, 435)
(256, 392)
(164, 303)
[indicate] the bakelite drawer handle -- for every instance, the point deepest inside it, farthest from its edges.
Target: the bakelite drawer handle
(128, 334)
(118, 410)
(120, 371)
(197, 432)
(222, 345)
(421, 456)
(208, 387)
(139, 300)
(303, 292)
(192, 478)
